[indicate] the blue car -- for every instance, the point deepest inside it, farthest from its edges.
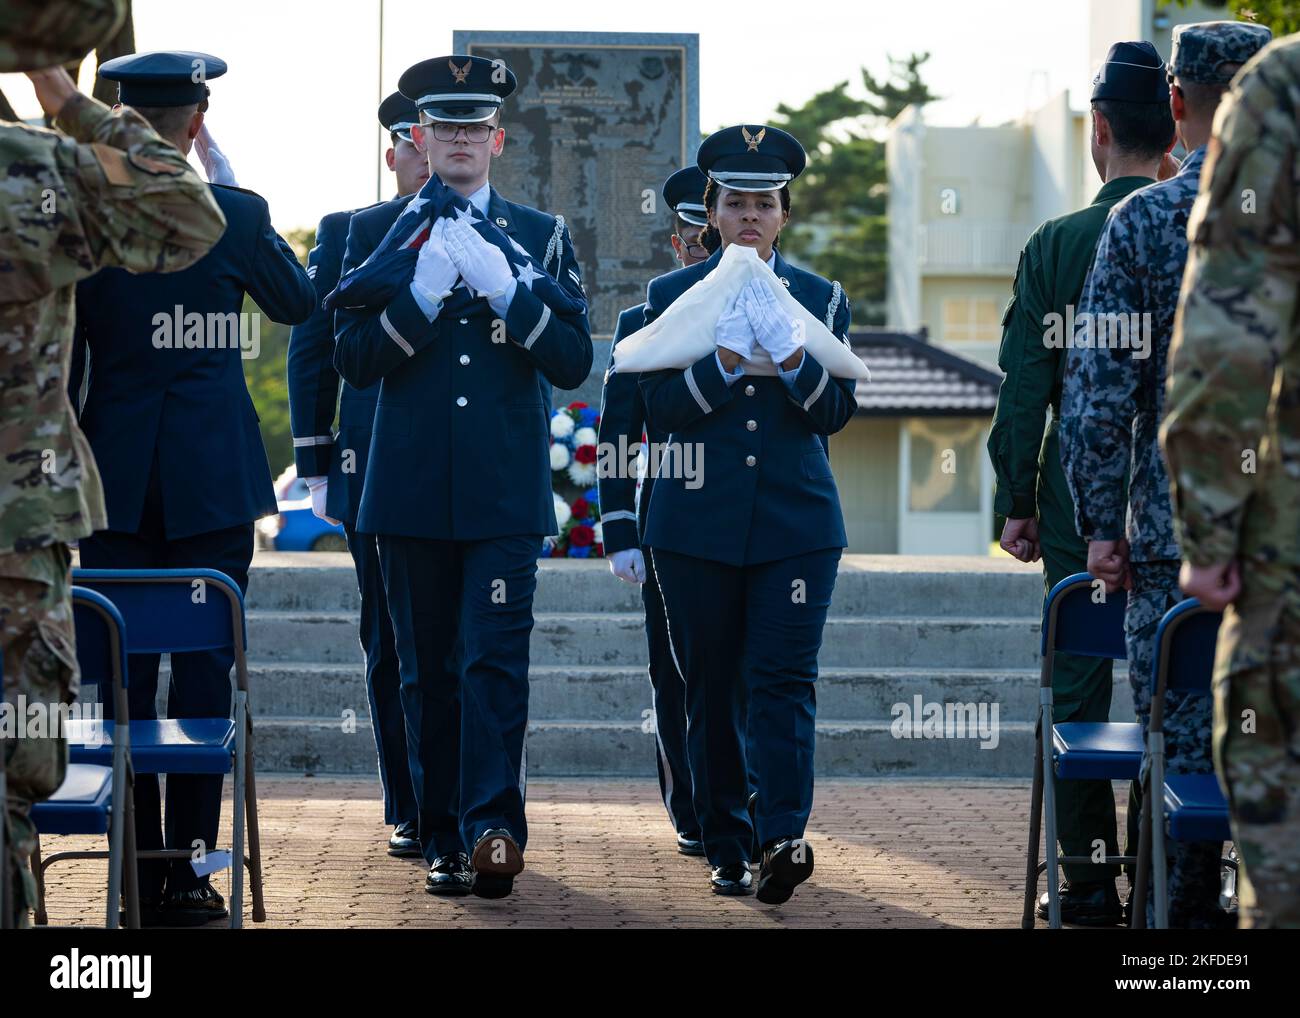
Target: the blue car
(295, 527)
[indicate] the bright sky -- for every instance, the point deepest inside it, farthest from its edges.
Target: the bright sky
(295, 115)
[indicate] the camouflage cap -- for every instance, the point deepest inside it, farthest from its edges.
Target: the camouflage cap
(35, 34)
(1201, 49)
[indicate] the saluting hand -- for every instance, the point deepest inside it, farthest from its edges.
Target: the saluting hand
(482, 264)
(775, 331)
(54, 87)
(215, 163)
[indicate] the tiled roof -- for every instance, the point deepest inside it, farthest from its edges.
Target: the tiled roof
(910, 377)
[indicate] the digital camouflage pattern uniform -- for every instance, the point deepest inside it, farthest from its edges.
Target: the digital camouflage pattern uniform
(110, 192)
(1111, 407)
(1232, 438)
(1026, 460)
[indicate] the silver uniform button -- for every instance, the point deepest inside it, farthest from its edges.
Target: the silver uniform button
(749, 390)
(784, 281)
(750, 461)
(751, 425)
(464, 358)
(462, 401)
(464, 321)
(501, 221)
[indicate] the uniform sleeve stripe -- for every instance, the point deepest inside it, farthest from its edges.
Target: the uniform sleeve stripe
(821, 385)
(394, 335)
(695, 390)
(618, 514)
(311, 271)
(537, 329)
(299, 443)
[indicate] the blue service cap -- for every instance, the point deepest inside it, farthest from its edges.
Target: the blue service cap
(398, 114)
(751, 158)
(458, 88)
(1133, 72)
(162, 78)
(684, 193)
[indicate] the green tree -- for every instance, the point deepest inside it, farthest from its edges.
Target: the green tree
(1282, 16)
(839, 205)
(265, 373)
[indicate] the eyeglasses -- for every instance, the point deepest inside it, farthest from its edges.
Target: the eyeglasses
(477, 133)
(694, 250)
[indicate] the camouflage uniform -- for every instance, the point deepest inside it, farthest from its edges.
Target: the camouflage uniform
(1231, 440)
(113, 193)
(1110, 412)
(52, 33)
(1112, 405)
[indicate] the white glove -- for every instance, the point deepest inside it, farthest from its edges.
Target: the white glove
(482, 265)
(628, 565)
(319, 486)
(774, 330)
(435, 273)
(734, 331)
(215, 163)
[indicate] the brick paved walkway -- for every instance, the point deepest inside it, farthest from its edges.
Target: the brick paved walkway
(890, 853)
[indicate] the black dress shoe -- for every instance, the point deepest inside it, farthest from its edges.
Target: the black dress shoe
(404, 843)
(1092, 904)
(756, 850)
(497, 859)
(689, 844)
(186, 908)
(787, 863)
(450, 876)
(732, 879)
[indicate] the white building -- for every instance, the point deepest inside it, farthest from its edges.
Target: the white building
(962, 203)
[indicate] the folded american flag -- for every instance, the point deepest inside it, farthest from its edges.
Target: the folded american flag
(391, 266)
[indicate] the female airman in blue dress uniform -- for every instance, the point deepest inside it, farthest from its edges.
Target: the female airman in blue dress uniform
(747, 559)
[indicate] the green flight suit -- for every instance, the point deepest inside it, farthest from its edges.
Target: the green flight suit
(1030, 481)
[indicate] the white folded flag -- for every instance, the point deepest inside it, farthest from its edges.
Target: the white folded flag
(685, 332)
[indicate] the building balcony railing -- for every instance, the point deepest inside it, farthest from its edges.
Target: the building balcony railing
(964, 247)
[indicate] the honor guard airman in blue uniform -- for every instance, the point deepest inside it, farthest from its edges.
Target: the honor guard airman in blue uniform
(457, 483)
(334, 467)
(176, 438)
(622, 424)
(747, 559)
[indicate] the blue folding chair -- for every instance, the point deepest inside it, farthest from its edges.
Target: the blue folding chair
(1193, 806)
(95, 798)
(1077, 619)
(172, 611)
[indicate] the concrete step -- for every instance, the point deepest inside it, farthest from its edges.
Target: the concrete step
(612, 749)
(622, 693)
(867, 585)
(619, 639)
